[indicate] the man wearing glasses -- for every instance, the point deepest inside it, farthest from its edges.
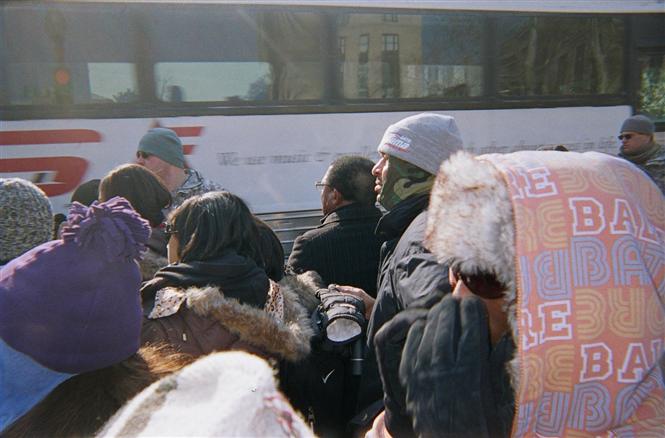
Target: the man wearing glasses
(160, 150)
(638, 147)
(344, 248)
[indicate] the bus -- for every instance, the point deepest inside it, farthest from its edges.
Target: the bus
(265, 94)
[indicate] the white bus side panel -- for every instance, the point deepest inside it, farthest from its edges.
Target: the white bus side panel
(272, 161)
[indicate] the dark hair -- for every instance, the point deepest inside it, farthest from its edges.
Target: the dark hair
(351, 175)
(86, 193)
(142, 188)
(207, 225)
(272, 252)
(81, 405)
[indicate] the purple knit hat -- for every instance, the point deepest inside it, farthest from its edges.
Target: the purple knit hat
(72, 305)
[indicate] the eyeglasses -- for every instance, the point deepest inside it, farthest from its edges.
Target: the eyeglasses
(144, 155)
(626, 136)
(169, 229)
(320, 185)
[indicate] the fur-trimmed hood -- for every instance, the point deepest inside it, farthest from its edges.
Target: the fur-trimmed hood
(578, 239)
(228, 323)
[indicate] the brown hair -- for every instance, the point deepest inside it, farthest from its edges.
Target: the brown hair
(80, 406)
(142, 188)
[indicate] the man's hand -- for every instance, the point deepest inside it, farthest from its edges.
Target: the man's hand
(359, 293)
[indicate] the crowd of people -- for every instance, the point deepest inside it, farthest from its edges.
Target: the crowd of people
(443, 294)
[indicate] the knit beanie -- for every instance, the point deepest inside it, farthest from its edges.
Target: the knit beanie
(165, 144)
(70, 306)
(639, 123)
(424, 140)
(26, 218)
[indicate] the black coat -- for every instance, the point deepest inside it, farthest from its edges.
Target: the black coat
(408, 272)
(343, 249)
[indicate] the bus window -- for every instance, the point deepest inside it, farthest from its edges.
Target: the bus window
(234, 54)
(67, 54)
(560, 56)
(649, 33)
(410, 55)
(206, 81)
(652, 85)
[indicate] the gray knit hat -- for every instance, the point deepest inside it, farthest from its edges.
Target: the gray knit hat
(165, 144)
(424, 140)
(26, 218)
(639, 123)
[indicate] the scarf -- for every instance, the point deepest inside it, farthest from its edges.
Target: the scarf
(235, 275)
(403, 180)
(642, 156)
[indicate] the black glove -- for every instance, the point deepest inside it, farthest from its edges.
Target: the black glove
(445, 371)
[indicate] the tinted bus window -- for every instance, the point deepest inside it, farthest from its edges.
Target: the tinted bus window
(560, 56)
(410, 56)
(66, 54)
(217, 53)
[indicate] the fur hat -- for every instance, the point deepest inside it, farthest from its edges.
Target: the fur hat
(223, 394)
(165, 144)
(424, 140)
(26, 217)
(70, 306)
(470, 222)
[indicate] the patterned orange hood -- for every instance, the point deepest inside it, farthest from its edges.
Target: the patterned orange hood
(581, 247)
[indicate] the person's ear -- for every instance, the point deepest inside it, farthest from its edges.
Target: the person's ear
(336, 196)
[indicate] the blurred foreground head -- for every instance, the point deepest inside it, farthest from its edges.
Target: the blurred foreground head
(26, 217)
(576, 240)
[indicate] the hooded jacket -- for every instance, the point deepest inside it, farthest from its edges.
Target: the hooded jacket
(228, 304)
(578, 241)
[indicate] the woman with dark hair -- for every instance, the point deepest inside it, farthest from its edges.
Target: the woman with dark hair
(149, 197)
(216, 294)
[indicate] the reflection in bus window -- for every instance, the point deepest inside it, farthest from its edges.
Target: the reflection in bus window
(652, 85)
(235, 54)
(208, 81)
(72, 54)
(562, 56)
(112, 82)
(45, 83)
(411, 56)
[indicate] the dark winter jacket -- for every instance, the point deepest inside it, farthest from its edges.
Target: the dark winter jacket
(343, 249)
(408, 272)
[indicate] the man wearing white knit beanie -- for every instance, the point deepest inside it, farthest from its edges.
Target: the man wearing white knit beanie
(411, 152)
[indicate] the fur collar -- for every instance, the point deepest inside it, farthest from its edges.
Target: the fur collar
(289, 339)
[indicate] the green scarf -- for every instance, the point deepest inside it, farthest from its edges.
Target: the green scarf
(403, 181)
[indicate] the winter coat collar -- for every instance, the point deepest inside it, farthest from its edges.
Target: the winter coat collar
(353, 211)
(393, 224)
(287, 339)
